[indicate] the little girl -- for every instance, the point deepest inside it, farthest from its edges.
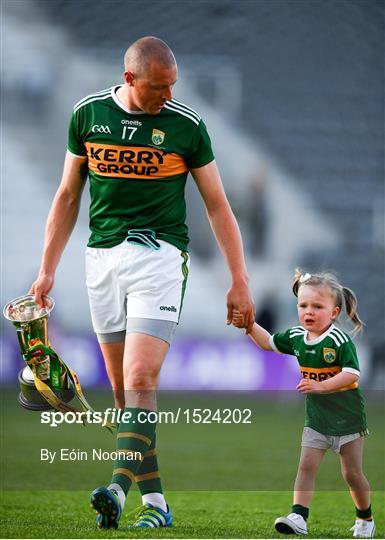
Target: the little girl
(334, 411)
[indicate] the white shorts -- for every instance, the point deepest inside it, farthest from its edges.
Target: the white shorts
(313, 439)
(130, 280)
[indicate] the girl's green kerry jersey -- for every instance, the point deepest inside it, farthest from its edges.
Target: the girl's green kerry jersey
(138, 166)
(339, 413)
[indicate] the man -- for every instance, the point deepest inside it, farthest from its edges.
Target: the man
(137, 145)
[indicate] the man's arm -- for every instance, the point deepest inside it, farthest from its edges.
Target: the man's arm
(60, 222)
(228, 237)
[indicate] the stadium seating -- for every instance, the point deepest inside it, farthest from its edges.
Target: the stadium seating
(311, 78)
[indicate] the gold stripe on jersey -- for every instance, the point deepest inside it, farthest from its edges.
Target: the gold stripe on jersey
(147, 476)
(321, 374)
(139, 162)
(349, 387)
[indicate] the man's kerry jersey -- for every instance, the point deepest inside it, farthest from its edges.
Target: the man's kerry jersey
(138, 165)
(339, 413)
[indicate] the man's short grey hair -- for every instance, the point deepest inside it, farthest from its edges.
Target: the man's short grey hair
(145, 51)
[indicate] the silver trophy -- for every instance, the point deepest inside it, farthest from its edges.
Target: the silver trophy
(44, 368)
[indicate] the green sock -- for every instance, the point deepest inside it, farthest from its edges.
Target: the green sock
(364, 514)
(301, 510)
(148, 477)
(134, 435)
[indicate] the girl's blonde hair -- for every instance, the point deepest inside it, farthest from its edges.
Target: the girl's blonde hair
(345, 297)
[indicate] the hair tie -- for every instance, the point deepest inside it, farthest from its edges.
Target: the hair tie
(304, 278)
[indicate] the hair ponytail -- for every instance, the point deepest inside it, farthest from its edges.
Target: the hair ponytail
(351, 309)
(296, 281)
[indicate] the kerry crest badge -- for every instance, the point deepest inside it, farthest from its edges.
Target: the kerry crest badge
(158, 136)
(329, 355)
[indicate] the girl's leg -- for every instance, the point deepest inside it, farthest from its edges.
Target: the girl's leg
(295, 522)
(351, 468)
(309, 463)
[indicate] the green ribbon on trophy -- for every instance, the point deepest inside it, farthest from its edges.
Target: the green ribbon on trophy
(47, 381)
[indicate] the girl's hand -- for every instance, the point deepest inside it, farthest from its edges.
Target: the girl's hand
(238, 319)
(309, 386)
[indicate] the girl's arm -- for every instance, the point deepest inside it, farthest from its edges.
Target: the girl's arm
(334, 384)
(259, 335)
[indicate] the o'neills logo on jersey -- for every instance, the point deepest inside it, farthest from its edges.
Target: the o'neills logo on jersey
(133, 162)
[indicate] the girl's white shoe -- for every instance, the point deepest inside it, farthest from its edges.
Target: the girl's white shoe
(363, 529)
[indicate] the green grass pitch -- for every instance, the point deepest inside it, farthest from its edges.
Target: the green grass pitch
(196, 515)
(222, 481)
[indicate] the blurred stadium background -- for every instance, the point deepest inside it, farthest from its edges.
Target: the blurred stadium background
(292, 93)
